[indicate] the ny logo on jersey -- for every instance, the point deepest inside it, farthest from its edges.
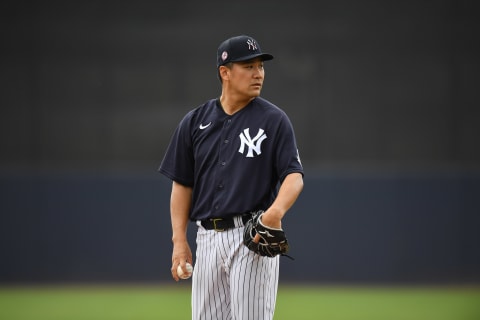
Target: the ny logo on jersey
(252, 144)
(251, 44)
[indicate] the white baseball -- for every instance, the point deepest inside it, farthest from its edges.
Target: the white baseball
(187, 275)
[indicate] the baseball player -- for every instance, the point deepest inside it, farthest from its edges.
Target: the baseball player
(230, 158)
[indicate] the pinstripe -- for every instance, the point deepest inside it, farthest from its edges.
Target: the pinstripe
(231, 282)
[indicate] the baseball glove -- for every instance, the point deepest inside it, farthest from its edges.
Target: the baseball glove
(272, 241)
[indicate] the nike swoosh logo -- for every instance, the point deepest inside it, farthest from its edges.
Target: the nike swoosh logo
(204, 126)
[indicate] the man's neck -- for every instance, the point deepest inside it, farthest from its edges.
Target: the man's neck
(231, 105)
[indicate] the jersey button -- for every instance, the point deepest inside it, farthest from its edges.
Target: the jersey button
(226, 141)
(223, 163)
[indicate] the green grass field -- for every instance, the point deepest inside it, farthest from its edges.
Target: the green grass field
(171, 302)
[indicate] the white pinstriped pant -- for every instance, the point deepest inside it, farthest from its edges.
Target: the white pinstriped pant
(229, 281)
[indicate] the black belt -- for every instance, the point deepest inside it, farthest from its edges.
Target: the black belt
(222, 224)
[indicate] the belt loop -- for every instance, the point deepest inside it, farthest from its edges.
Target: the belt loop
(237, 220)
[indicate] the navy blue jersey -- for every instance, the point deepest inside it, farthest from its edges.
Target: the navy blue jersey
(234, 163)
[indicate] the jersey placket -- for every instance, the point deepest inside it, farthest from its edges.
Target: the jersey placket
(223, 155)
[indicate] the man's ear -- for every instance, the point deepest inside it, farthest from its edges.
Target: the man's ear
(223, 72)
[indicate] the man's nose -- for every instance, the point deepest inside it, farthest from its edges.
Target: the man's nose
(258, 72)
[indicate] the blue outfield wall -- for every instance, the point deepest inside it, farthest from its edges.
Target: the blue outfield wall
(345, 228)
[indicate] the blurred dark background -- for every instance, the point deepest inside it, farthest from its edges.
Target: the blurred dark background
(384, 97)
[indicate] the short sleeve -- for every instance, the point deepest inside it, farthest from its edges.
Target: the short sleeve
(178, 162)
(287, 154)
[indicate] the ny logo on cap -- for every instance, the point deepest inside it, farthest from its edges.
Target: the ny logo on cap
(251, 44)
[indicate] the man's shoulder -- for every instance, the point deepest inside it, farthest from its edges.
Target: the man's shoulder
(264, 102)
(269, 107)
(205, 107)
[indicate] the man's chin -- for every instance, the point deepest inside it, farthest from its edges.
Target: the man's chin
(255, 93)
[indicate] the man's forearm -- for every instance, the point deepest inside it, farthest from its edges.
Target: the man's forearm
(180, 203)
(289, 191)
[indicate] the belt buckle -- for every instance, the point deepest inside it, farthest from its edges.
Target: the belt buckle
(215, 224)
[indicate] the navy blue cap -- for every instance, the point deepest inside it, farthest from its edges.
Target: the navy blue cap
(240, 48)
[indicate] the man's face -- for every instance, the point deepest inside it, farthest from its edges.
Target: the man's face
(246, 77)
